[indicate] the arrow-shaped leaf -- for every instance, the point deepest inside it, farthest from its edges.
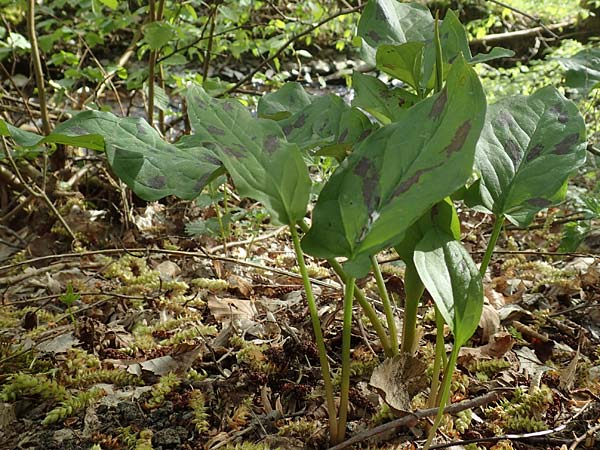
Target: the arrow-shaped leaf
(263, 165)
(152, 167)
(399, 172)
(528, 148)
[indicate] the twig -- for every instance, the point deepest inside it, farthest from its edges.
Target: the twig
(143, 251)
(529, 16)
(90, 294)
(37, 66)
(491, 38)
(121, 63)
(287, 43)
(218, 248)
(413, 418)
(36, 191)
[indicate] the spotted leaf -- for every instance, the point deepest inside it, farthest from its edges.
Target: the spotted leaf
(392, 22)
(529, 147)
(138, 155)
(262, 163)
(399, 172)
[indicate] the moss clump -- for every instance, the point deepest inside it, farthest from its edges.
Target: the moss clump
(72, 405)
(164, 387)
(524, 412)
(198, 404)
(23, 384)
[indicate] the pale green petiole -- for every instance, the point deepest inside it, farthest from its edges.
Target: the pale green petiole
(316, 324)
(413, 288)
(346, 338)
(387, 305)
(498, 222)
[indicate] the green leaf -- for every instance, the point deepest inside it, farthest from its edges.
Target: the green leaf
(404, 62)
(112, 4)
(137, 154)
(29, 140)
(399, 172)
(495, 53)
(453, 280)
(392, 22)
(288, 100)
(583, 70)
(263, 165)
(442, 216)
(328, 122)
(157, 34)
(528, 149)
(69, 297)
(384, 103)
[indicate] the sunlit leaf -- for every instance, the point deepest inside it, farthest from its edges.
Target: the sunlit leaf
(528, 149)
(263, 165)
(583, 70)
(288, 100)
(138, 155)
(392, 22)
(384, 103)
(399, 172)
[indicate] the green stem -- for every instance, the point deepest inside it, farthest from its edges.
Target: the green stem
(446, 383)
(387, 305)
(224, 236)
(499, 221)
(362, 301)
(316, 323)
(413, 288)
(439, 65)
(346, 338)
(440, 356)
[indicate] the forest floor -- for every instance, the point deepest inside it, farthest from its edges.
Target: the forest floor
(142, 336)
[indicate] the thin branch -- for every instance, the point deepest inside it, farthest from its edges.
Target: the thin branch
(36, 191)
(529, 16)
(413, 418)
(498, 37)
(37, 66)
(286, 44)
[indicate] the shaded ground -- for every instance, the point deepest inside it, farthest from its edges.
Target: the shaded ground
(147, 336)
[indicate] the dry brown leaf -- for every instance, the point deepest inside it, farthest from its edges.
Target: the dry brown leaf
(489, 323)
(240, 284)
(240, 313)
(500, 344)
(399, 379)
(168, 270)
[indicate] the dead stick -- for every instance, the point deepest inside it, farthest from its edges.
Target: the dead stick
(413, 418)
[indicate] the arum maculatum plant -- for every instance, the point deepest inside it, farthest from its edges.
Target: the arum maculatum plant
(400, 170)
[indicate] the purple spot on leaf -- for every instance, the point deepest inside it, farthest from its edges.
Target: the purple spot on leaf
(157, 182)
(343, 135)
(374, 35)
(563, 116)
(534, 152)
(211, 160)
(215, 131)
(564, 146)
(299, 123)
(287, 129)
(513, 151)
(439, 104)
(78, 130)
(459, 138)
(199, 185)
(141, 129)
(227, 106)
(504, 119)
(370, 176)
(209, 145)
(414, 179)
(271, 144)
(539, 202)
(233, 152)
(365, 133)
